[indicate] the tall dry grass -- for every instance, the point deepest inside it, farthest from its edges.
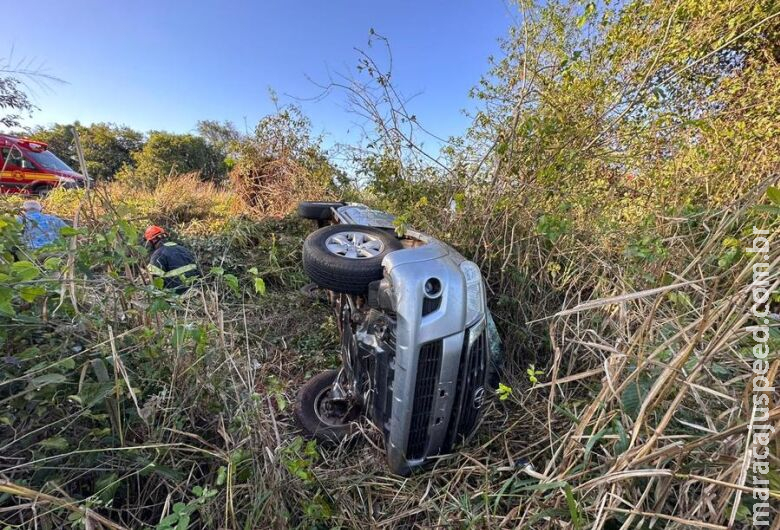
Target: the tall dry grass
(639, 419)
(274, 187)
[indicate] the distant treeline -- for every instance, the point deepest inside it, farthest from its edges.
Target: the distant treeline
(118, 152)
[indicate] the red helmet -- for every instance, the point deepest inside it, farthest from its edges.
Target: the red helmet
(153, 232)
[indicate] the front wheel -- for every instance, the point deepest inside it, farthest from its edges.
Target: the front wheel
(347, 258)
(322, 417)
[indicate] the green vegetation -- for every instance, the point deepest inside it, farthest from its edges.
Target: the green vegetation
(608, 187)
(165, 154)
(107, 147)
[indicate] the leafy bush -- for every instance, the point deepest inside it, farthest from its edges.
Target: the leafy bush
(282, 164)
(166, 154)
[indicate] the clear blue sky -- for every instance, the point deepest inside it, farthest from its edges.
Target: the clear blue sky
(165, 64)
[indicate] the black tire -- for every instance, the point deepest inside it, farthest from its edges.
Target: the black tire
(306, 410)
(343, 274)
(314, 292)
(41, 190)
(317, 210)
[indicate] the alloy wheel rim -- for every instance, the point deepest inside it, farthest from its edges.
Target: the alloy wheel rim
(354, 245)
(320, 409)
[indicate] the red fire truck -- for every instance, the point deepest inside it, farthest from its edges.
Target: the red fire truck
(27, 166)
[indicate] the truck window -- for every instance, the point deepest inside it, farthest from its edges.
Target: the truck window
(12, 158)
(16, 160)
(48, 160)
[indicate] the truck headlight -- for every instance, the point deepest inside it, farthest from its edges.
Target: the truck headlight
(475, 292)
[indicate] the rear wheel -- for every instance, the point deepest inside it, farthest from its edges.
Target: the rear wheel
(317, 210)
(321, 416)
(347, 258)
(41, 190)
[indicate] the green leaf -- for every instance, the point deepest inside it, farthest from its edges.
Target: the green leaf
(593, 440)
(47, 379)
(622, 445)
(29, 293)
(221, 475)
(52, 264)
(24, 271)
(253, 271)
(29, 353)
(217, 271)
(66, 364)
(773, 194)
(168, 521)
(55, 442)
(107, 486)
(68, 231)
(179, 507)
(460, 201)
(281, 401)
(6, 297)
(232, 282)
(590, 9)
(767, 208)
(631, 399)
(571, 503)
(93, 393)
(184, 522)
(259, 286)
(159, 304)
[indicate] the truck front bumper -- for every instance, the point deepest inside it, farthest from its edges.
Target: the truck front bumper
(439, 366)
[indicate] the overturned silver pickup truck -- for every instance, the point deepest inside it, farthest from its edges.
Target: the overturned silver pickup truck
(416, 335)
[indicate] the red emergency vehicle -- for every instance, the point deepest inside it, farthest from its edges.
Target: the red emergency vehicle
(27, 166)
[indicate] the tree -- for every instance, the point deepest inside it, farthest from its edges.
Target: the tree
(13, 101)
(14, 98)
(107, 147)
(166, 153)
(286, 135)
(281, 163)
(221, 135)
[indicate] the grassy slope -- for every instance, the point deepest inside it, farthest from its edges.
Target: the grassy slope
(212, 376)
(152, 410)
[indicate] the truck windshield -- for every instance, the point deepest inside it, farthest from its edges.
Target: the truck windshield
(48, 160)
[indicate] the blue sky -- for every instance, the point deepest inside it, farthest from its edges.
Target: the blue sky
(164, 64)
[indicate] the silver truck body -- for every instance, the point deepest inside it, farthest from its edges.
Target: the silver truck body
(439, 366)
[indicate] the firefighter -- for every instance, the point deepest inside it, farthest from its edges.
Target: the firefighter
(170, 261)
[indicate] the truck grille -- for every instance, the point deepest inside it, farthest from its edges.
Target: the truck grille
(428, 365)
(471, 377)
(430, 305)
(382, 361)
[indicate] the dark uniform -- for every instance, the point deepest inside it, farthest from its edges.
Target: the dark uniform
(172, 263)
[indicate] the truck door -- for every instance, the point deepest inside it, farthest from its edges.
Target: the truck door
(21, 170)
(12, 175)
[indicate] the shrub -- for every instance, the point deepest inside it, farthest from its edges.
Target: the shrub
(166, 154)
(281, 164)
